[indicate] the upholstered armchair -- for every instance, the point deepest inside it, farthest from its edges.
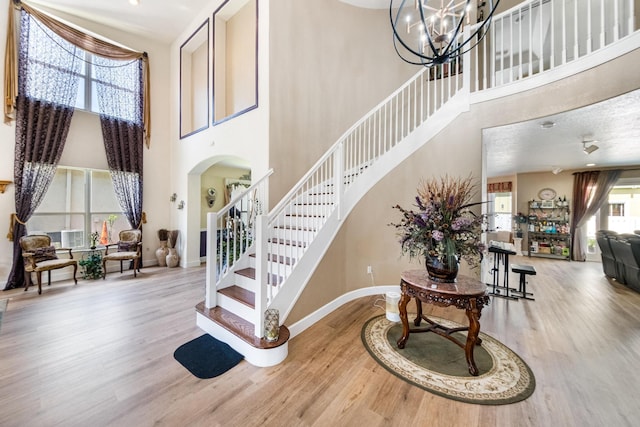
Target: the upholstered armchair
(129, 248)
(39, 256)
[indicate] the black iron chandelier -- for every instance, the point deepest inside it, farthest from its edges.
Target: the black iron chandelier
(431, 32)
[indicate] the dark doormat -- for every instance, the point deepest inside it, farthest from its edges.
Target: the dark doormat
(206, 357)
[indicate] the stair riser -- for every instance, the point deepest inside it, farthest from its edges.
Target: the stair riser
(276, 268)
(244, 282)
(316, 198)
(312, 210)
(302, 221)
(295, 235)
(294, 252)
(235, 307)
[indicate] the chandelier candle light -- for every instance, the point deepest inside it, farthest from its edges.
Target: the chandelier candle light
(430, 32)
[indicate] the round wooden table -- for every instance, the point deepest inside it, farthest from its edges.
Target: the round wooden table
(466, 294)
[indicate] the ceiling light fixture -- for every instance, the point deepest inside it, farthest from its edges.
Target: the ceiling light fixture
(134, 2)
(591, 148)
(556, 170)
(547, 124)
(591, 164)
(430, 32)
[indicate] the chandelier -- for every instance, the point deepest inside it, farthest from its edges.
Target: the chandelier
(430, 32)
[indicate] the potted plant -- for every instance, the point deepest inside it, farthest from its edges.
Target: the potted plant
(443, 229)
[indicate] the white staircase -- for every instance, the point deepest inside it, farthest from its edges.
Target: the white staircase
(258, 260)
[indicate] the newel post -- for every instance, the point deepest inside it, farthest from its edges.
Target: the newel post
(210, 299)
(261, 228)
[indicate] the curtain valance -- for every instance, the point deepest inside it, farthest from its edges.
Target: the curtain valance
(78, 38)
(499, 187)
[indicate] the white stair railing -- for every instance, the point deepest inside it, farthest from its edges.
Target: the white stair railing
(230, 234)
(297, 219)
(540, 35)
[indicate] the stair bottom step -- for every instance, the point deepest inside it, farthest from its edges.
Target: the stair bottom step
(240, 327)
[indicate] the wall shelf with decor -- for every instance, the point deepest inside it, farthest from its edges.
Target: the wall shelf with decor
(548, 231)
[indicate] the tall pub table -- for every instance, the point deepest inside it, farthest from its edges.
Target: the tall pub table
(501, 257)
(466, 294)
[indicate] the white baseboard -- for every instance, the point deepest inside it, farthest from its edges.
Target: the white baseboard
(317, 315)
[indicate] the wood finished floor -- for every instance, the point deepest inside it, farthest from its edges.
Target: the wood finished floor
(101, 353)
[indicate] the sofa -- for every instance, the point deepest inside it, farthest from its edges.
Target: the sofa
(620, 257)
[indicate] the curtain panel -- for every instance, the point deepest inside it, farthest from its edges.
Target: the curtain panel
(85, 42)
(590, 191)
(43, 116)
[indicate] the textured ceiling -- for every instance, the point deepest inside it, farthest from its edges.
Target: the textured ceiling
(528, 147)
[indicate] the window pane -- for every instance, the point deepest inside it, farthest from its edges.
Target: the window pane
(65, 230)
(103, 198)
(109, 226)
(66, 192)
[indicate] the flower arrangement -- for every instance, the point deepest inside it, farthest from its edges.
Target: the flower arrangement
(443, 227)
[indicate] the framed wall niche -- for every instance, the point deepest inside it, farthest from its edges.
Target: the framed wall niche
(235, 59)
(194, 82)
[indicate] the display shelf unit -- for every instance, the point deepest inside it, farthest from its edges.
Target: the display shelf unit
(548, 230)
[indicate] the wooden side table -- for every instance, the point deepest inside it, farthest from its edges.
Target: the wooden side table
(466, 294)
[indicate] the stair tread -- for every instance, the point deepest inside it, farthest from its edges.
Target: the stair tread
(241, 295)
(240, 327)
(250, 272)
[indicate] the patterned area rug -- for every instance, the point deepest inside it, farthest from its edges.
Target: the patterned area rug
(437, 365)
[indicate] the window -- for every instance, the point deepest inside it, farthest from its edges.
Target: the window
(500, 216)
(78, 203)
(616, 209)
(624, 208)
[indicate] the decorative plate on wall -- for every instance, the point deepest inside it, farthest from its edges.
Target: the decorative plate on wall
(547, 194)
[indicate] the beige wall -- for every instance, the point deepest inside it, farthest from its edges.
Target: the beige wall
(366, 239)
(330, 64)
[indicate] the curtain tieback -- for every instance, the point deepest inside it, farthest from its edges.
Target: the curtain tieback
(143, 220)
(13, 218)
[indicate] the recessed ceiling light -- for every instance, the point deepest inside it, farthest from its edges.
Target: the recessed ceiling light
(547, 125)
(591, 164)
(134, 2)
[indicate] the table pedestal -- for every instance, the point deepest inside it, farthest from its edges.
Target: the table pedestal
(467, 294)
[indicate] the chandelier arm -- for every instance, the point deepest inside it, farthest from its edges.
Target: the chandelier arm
(396, 36)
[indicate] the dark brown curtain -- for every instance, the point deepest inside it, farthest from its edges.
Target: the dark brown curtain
(590, 191)
(43, 116)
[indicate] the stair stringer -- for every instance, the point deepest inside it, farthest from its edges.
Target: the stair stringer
(303, 270)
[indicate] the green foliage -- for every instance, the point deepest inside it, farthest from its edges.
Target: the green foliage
(91, 265)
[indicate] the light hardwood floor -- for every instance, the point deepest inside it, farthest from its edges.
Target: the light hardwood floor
(101, 353)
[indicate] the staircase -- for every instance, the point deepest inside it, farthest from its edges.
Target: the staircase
(263, 258)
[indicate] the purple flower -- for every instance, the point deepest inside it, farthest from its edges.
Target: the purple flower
(437, 235)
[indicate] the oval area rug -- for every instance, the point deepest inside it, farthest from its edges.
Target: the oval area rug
(437, 365)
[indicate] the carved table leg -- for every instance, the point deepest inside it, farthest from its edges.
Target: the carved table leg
(402, 306)
(472, 335)
(418, 318)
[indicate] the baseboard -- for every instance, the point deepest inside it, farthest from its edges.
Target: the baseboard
(301, 325)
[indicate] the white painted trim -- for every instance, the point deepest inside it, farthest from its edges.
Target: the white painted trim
(584, 63)
(261, 357)
(301, 325)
